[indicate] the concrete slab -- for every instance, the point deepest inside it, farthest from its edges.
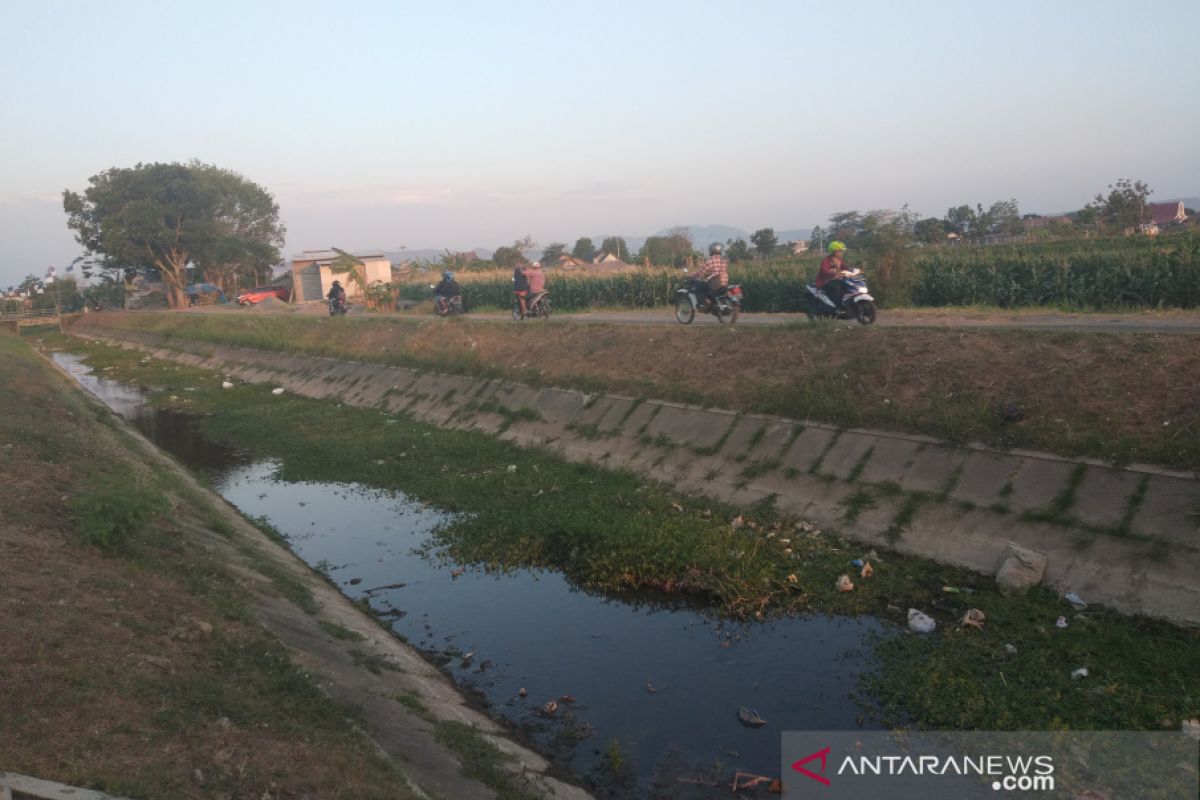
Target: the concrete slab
(932, 468)
(639, 418)
(777, 435)
(515, 396)
(1103, 496)
(560, 405)
(984, 476)
(615, 410)
(1038, 482)
(890, 461)
(808, 447)
(1170, 511)
(691, 426)
(845, 454)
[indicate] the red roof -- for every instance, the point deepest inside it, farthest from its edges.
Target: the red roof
(1164, 213)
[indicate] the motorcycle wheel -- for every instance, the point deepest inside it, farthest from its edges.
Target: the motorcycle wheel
(685, 312)
(729, 315)
(864, 312)
(543, 309)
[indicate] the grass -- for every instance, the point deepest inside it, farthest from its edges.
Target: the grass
(482, 760)
(1100, 395)
(609, 530)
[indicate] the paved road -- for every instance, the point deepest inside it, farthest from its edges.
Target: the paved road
(1139, 322)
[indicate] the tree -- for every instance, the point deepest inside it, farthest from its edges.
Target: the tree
(616, 245)
(962, 220)
(1125, 205)
(584, 249)
(167, 216)
(930, 231)
(816, 240)
(248, 232)
(352, 266)
(764, 242)
(508, 257)
(553, 251)
(737, 250)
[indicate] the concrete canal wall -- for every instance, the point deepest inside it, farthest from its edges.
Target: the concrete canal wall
(1126, 538)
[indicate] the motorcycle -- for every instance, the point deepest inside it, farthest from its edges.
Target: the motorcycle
(446, 307)
(725, 306)
(536, 306)
(337, 307)
(857, 302)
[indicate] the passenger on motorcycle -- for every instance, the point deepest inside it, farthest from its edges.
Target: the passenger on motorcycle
(448, 289)
(831, 269)
(536, 281)
(520, 287)
(337, 293)
(714, 275)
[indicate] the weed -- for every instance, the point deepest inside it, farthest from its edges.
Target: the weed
(116, 508)
(857, 503)
(340, 632)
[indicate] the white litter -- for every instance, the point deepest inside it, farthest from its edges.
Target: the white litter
(1077, 602)
(226, 385)
(919, 622)
(277, 390)
(1079, 673)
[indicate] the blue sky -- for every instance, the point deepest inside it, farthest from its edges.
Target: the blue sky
(379, 124)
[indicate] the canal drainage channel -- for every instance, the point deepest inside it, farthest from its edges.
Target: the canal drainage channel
(649, 676)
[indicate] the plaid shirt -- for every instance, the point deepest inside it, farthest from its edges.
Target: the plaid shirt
(716, 265)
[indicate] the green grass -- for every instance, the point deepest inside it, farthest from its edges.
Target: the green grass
(609, 530)
(114, 509)
(482, 760)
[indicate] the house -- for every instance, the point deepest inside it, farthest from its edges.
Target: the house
(1163, 214)
(568, 262)
(798, 247)
(605, 257)
(313, 277)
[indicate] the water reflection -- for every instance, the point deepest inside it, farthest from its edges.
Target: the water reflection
(657, 673)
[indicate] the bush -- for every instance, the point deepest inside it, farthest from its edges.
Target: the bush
(115, 510)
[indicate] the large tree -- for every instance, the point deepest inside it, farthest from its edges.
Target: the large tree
(616, 245)
(169, 216)
(1124, 206)
(764, 242)
(552, 252)
(584, 249)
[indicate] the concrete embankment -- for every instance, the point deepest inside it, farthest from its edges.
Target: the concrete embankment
(1126, 538)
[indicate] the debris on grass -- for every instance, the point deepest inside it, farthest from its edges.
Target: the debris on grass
(919, 622)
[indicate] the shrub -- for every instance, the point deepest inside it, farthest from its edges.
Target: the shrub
(113, 511)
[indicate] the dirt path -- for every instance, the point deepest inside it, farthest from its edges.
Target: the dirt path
(1132, 322)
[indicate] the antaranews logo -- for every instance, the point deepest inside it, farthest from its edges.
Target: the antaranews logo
(818, 776)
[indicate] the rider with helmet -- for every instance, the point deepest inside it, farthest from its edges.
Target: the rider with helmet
(830, 272)
(448, 289)
(714, 275)
(337, 293)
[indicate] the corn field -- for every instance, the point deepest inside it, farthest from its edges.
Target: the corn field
(1131, 272)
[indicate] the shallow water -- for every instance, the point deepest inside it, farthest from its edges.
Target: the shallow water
(661, 676)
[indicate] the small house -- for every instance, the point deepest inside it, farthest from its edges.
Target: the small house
(312, 276)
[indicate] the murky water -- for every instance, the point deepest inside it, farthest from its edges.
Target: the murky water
(659, 676)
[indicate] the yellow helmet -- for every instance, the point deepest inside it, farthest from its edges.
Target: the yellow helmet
(835, 247)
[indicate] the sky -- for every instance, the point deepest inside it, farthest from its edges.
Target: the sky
(470, 124)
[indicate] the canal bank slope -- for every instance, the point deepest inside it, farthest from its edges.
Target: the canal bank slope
(157, 644)
(1126, 538)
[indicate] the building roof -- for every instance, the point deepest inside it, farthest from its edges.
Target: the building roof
(1163, 213)
(324, 256)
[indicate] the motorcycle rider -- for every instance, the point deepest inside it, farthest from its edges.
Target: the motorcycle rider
(337, 294)
(714, 275)
(829, 274)
(537, 281)
(520, 286)
(445, 292)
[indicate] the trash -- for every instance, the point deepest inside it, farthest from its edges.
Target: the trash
(1021, 569)
(512, 467)
(1079, 673)
(844, 584)
(958, 590)
(1077, 602)
(549, 709)
(867, 570)
(522, 692)
(737, 522)
(1062, 622)
(1011, 649)
(277, 390)
(1191, 727)
(677, 507)
(226, 385)
(858, 562)
(919, 622)
(973, 618)
(355, 581)
(793, 579)
(750, 718)
(650, 688)
(467, 659)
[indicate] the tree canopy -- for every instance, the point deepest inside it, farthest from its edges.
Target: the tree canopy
(616, 245)
(584, 249)
(1124, 206)
(169, 216)
(764, 241)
